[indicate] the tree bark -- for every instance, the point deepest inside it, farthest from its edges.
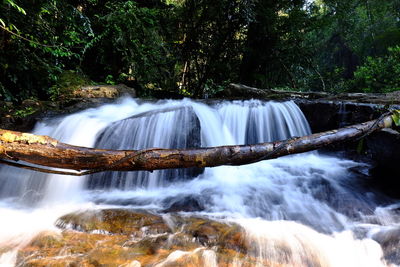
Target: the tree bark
(46, 151)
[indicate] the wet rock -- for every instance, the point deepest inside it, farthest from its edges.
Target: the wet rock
(117, 237)
(213, 233)
(390, 242)
(113, 221)
(384, 149)
(45, 240)
(324, 115)
(187, 204)
(384, 146)
(139, 225)
(75, 249)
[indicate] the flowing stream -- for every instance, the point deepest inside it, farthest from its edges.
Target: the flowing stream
(303, 210)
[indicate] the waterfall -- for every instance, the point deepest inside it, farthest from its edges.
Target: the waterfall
(252, 122)
(327, 212)
(167, 128)
(246, 122)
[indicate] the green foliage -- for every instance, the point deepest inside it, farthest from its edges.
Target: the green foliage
(345, 33)
(39, 45)
(110, 80)
(132, 45)
(194, 46)
(211, 88)
(380, 74)
(14, 5)
(396, 117)
(25, 112)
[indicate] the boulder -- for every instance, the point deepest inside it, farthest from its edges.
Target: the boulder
(384, 148)
(114, 221)
(103, 91)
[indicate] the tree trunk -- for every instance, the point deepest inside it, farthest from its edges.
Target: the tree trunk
(46, 151)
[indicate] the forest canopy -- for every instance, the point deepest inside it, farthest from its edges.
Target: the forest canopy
(196, 47)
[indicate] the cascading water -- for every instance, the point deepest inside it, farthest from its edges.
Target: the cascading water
(301, 210)
(169, 128)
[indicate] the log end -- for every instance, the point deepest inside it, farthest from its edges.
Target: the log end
(26, 138)
(387, 122)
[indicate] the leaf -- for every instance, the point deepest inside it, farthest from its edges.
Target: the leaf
(21, 10)
(360, 146)
(14, 5)
(396, 117)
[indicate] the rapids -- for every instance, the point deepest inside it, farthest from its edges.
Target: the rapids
(302, 210)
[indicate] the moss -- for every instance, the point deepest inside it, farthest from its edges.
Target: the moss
(114, 221)
(68, 81)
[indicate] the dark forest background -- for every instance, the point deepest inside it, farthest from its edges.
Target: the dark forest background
(196, 47)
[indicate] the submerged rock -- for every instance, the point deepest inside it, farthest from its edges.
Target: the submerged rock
(186, 203)
(390, 242)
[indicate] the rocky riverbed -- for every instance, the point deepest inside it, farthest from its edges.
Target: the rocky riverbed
(119, 237)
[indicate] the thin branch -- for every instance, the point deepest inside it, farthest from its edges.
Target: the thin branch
(26, 39)
(39, 169)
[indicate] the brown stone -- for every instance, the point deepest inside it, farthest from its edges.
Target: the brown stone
(213, 233)
(114, 221)
(103, 91)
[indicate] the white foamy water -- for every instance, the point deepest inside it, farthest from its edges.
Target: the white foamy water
(297, 245)
(301, 210)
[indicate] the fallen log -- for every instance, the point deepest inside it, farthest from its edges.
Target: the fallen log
(46, 151)
(240, 90)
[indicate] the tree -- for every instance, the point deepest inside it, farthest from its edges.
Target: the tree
(211, 35)
(345, 34)
(194, 47)
(37, 44)
(380, 74)
(271, 51)
(130, 44)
